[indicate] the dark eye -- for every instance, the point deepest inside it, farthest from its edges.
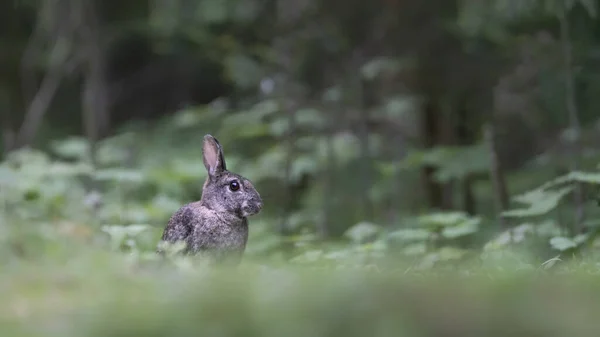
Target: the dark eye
(234, 185)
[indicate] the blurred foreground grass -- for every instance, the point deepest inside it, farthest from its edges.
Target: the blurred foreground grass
(100, 293)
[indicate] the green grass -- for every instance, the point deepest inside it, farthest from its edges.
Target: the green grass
(82, 290)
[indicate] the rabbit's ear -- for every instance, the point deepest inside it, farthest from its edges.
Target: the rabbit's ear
(212, 155)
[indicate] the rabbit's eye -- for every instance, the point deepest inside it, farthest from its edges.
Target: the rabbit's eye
(234, 186)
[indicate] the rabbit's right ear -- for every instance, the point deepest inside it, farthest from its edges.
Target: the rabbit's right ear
(212, 155)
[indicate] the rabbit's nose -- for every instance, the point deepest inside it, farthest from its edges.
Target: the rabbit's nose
(259, 205)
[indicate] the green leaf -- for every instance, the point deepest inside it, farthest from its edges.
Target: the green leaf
(571, 177)
(409, 234)
(415, 249)
(72, 147)
(583, 177)
(172, 249)
(309, 117)
(58, 169)
(7, 176)
(119, 175)
(540, 202)
(308, 257)
(338, 255)
(442, 219)
(249, 123)
(513, 235)
(562, 243)
(451, 253)
(466, 228)
(453, 162)
(332, 94)
(118, 233)
(399, 106)
(362, 232)
(462, 162)
(303, 164)
(551, 262)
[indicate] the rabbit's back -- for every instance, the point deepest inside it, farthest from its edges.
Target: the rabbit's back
(180, 225)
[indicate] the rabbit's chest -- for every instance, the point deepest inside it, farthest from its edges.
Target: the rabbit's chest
(219, 237)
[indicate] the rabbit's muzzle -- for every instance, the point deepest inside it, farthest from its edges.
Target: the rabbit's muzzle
(251, 207)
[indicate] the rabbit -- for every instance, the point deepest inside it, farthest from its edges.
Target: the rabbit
(216, 226)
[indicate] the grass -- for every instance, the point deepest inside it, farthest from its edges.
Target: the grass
(82, 290)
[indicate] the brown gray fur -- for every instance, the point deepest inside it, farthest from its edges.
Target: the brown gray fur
(217, 225)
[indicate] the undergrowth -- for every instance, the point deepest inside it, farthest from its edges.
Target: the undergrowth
(77, 258)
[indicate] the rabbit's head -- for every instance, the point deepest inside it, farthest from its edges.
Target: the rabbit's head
(224, 191)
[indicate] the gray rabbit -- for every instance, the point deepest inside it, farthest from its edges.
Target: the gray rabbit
(217, 225)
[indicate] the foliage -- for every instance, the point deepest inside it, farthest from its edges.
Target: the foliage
(131, 205)
(71, 266)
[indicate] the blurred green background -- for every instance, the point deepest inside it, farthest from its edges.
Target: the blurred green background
(428, 168)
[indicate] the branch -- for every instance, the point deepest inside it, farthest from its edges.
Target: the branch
(43, 97)
(39, 102)
(28, 80)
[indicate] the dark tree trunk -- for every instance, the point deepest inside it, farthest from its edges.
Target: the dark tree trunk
(465, 137)
(430, 132)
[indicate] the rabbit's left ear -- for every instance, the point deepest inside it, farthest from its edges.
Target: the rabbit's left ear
(212, 155)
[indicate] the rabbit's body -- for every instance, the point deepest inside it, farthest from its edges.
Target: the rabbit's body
(204, 230)
(217, 225)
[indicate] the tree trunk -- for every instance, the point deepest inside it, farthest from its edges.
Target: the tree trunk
(95, 88)
(365, 105)
(496, 173)
(430, 131)
(571, 105)
(465, 137)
